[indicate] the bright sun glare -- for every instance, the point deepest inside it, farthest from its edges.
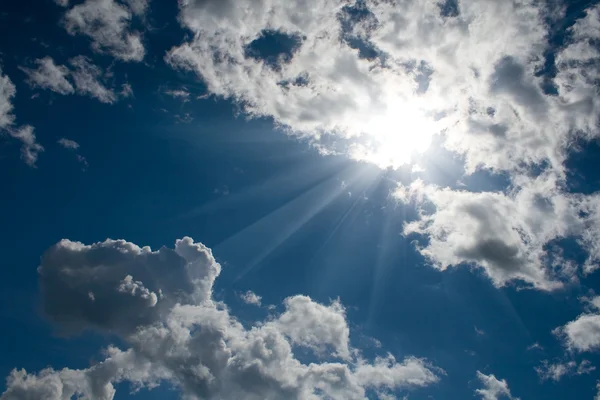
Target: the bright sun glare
(397, 136)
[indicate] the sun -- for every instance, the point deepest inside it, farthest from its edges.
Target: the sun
(396, 136)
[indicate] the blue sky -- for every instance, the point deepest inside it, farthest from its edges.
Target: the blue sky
(387, 199)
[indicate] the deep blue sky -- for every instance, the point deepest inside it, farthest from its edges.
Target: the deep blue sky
(281, 218)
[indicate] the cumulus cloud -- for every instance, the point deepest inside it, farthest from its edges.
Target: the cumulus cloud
(493, 389)
(160, 304)
(392, 79)
(583, 333)
(107, 24)
(87, 78)
(505, 234)
(49, 76)
(556, 371)
(251, 298)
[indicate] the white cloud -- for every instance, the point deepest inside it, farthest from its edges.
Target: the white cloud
(49, 76)
(68, 144)
(30, 148)
(493, 389)
(315, 326)
(506, 234)
(7, 92)
(107, 24)
(251, 298)
(556, 371)
(181, 94)
(482, 84)
(87, 78)
(160, 304)
(137, 7)
(583, 333)
(62, 3)
(126, 90)
(73, 146)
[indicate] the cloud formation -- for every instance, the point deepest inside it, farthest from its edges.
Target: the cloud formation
(251, 298)
(87, 78)
(30, 148)
(493, 388)
(160, 303)
(506, 234)
(7, 92)
(50, 76)
(107, 24)
(392, 78)
(583, 333)
(556, 371)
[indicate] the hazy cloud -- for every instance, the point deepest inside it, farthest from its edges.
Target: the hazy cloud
(49, 76)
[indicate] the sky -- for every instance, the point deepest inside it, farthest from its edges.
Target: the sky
(302, 199)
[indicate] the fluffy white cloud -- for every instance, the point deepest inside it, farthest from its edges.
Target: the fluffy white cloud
(107, 24)
(472, 76)
(251, 298)
(87, 78)
(506, 234)
(493, 389)
(583, 333)
(160, 304)
(315, 326)
(558, 370)
(50, 76)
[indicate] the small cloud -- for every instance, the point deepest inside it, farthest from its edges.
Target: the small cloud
(49, 76)
(251, 298)
(126, 90)
(73, 146)
(68, 143)
(535, 346)
(30, 148)
(185, 118)
(87, 80)
(479, 332)
(556, 371)
(181, 94)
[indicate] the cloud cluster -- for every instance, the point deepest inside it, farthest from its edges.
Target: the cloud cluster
(160, 303)
(107, 24)
(395, 77)
(83, 78)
